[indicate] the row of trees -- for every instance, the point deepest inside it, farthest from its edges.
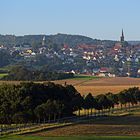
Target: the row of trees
(127, 98)
(36, 102)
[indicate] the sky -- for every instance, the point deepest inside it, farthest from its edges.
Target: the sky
(100, 19)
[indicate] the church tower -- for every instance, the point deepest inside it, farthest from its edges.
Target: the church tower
(44, 41)
(122, 37)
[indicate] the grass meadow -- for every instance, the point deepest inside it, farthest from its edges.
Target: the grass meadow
(3, 74)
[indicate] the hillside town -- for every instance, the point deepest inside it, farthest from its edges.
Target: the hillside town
(104, 60)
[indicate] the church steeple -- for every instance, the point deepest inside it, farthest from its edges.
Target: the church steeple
(43, 41)
(122, 36)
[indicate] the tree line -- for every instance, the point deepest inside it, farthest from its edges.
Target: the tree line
(21, 73)
(41, 102)
(29, 102)
(5, 58)
(107, 102)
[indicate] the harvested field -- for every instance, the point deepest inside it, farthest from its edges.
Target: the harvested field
(102, 85)
(112, 126)
(96, 85)
(117, 81)
(96, 90)
(99, 130)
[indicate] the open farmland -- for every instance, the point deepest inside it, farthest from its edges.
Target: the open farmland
(102, 85)
(69, 138)
(95, 85)
(104, 126)
(121, 127)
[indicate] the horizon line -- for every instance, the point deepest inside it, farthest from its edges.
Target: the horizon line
(43, 34)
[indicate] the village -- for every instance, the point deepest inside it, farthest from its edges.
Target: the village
(122, 59)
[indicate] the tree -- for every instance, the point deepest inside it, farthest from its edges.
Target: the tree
(103, 102)
(5, 58)
(40, 112)
(113, 99)
(89, 103)
(122, 98)
(19, 117)
(77, 103)
(136, 93)
(131, 95)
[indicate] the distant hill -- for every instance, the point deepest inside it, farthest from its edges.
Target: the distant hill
(11, 40)
(74, 40)
(71, 40)
(134, 42)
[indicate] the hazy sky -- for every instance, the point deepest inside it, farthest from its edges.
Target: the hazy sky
(102, 19)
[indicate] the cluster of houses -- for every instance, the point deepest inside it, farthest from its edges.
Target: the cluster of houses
(24, 50)
(122, 59)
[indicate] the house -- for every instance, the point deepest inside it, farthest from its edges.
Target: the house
(111, 75)
(102, 75)
(96, 70)
(73, 72)
(117, 47)
(104, 70)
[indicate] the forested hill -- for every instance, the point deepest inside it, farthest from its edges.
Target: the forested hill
(71, 40)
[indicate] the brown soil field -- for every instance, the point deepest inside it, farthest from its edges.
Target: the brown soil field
(102, 85)
(110, 126)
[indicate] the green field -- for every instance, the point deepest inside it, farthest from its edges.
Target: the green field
(69, 138)
(3, 74)
(84, 77)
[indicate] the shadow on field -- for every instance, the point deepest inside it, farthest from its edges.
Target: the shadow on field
(101, 126)
(115, 120)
